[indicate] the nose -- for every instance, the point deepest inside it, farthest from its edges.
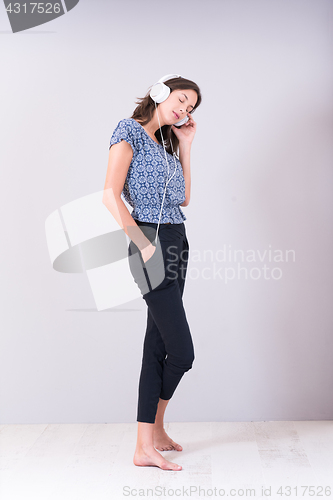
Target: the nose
(182, 109)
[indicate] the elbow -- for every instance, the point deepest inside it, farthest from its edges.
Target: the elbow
(185, 203)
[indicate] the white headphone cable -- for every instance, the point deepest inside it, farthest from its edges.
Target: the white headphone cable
(168, 170)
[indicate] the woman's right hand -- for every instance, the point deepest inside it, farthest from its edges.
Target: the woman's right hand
(148, 252)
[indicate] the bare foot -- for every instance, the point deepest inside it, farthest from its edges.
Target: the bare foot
(147, 455)
(163, 442)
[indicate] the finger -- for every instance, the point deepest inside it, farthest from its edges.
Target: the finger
(191, 118)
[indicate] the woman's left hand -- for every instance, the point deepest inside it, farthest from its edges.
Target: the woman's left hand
(187, 131)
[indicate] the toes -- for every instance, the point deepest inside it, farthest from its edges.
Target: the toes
(168, 466)
(169, 447)
(177, 446)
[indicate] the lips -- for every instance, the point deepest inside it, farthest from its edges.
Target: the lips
(177, 116)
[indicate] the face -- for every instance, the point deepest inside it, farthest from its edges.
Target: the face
(177, 105)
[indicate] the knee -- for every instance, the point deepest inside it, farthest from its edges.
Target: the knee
(185, 362)
(188, 361)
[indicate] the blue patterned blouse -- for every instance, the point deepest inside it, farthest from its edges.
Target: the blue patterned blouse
(147, 175)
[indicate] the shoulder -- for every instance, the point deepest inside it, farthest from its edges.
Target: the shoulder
(127, 123)
(129, 127)
(125, 128)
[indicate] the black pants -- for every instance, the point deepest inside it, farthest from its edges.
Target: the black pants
(168, 350)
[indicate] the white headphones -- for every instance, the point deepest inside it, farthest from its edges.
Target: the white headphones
(159, 93)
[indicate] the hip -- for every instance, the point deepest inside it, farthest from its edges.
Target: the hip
(166, 231)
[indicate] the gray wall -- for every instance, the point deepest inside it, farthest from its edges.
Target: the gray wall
(261, 180)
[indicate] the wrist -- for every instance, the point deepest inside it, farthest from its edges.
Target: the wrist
(185, 144)
(143, 245)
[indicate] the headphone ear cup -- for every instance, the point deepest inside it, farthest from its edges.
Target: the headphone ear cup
(159, 92)
(181, 122)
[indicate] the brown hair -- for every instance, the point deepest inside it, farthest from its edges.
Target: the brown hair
(146, 107)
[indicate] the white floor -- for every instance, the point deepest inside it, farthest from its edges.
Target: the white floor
(94, 461)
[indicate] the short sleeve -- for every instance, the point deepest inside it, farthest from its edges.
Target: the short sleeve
(123, 131)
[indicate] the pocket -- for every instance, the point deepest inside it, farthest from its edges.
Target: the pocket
(137, 268)
(154, 266)
(150, 258)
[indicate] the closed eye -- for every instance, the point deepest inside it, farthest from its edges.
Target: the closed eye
(186, 110)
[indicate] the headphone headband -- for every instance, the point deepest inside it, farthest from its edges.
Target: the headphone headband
(168, 77)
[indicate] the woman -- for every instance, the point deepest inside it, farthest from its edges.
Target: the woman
(156, 183)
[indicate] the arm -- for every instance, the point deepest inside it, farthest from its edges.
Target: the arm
(184, 158)
(120, 157)
(185, 135)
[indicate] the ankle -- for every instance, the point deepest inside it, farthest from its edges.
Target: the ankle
(144, 445)
(158, 427)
